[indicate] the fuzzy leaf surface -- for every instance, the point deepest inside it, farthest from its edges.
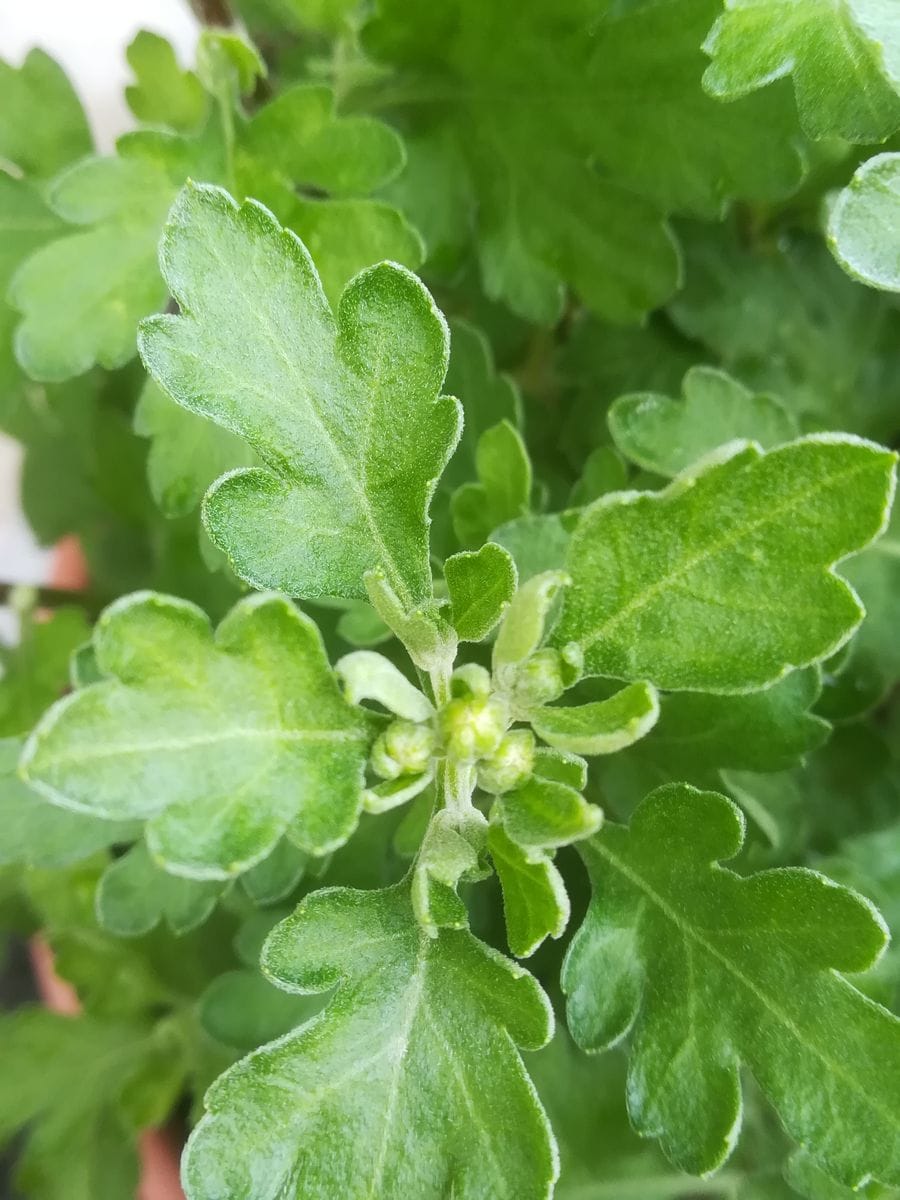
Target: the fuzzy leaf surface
(535, 901)
(135, 894)
(350, 426)
(602, 727)
(418, 1025)
(666, 435)
(722, 582)
(708, 970)
(222, 743)
(481, 585)
(862, 231)
(42, 123)
(843, 57)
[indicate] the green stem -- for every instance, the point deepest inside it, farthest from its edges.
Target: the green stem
(226, 113)
(459, 784)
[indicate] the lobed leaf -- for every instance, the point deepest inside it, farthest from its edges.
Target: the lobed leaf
(709, 970)
(222, 744)
(352, 431)
(862, 229)
(723, 581)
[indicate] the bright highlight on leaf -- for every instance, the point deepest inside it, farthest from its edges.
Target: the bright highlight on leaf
(344, 411)
(723, 582)
(708, 970)
(335, 1108)
(221, 744)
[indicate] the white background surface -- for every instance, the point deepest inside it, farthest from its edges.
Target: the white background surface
(88, 37)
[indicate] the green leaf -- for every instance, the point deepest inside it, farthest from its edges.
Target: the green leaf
(487, 396)
(844, 58)
(187, 453)
(449, 1010)
(135, 894)
(761, 731)
(535, 901)
(559, 187)
(523, 625)
(722, 582)
(602, 727)
(538, 543)
(40, 834)
(82, 295)
(545, 814)
(242, 1009)
(504, 490)
(862, 230)
(222, 744)
(666, 436)
(36, 671)
(370, 676)
(452, 851)
(352, 432)
(604, 471)
(711, 970)
(42, 124)
(786, 320)
(875, 575)
(277, 875)
(481, 585)
(164, 94)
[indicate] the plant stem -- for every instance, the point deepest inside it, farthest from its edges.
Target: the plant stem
(213, 12)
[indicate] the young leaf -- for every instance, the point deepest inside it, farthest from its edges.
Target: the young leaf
(42, 124)
(164, 94)
(351, 429)
(535, 901)
(712, 970)
(38, 833)
(452, 851)
(223, 744)
(862, 230)
(370, 676)
(481, 585)
(504, 490)
(667, 436)
(844, 58)
(545, 814)
(437, 1104)
(603, 727)
(723, 581)
(135, 894)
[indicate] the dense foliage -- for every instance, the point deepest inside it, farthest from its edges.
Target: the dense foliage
(542, 605)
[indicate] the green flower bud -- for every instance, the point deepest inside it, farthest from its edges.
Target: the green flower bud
(404, 748)
(540, 679)
(472, 727)
(470, 680)
(510, 766)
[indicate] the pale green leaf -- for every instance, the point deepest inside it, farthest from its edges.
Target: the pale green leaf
(535, 901)
(164, 94)
(352, 431)
(843, 57)
(38, 833)
(278, 873)
(135, 894)
(863, 227)
(537, 543)
(481, 585)
(709, 970)
(604, 471)
(666, 436)
(452, 851)
(523, 625)
(602, 727)
(222, 744)
(722, 582)
(370, 676)
(42, 125)
(331, 1110)
(242, 1009)
(36, 671)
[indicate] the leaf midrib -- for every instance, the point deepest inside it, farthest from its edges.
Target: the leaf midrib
(689, 931)
(733, 538)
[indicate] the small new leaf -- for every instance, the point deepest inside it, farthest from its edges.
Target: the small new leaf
(221, 743)
(344, 411)
(331, 1110)
(164, 94)
(535, 901)
(666, 435)
(504, 490)
(602, 727)
(723, 581)
(709, 970)
(481, 585)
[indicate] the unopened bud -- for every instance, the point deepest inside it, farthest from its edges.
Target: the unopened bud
(472, 727)
(404, 748)
(510, 766)
(470, 680)
(540, 679)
